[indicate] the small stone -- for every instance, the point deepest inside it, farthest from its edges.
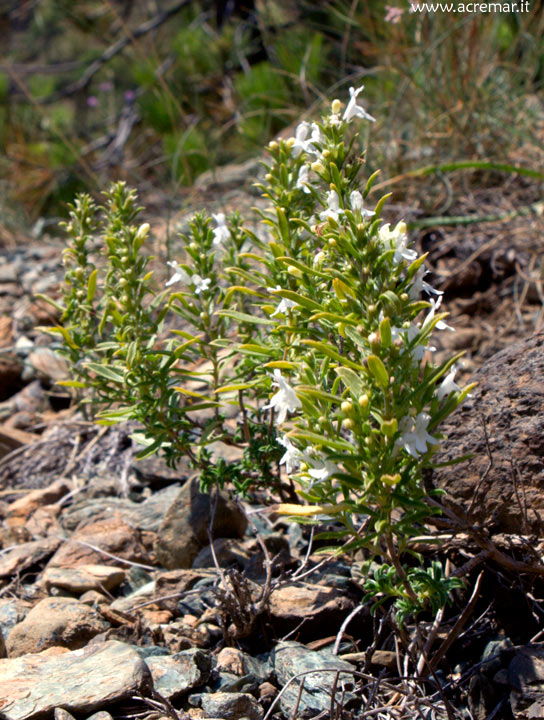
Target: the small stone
(100, 715)
(174, 675)
(184, 530)
(316, 604)
(231, 706)
(81, 681)
(113, 536)
(292, 658)
(52, 622)
(61, 714)
(84, 577)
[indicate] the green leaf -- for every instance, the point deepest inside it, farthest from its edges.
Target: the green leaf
(351, 380)
(105, 371)
(245, 317)
(377, 368)
(327, 350)
(321, 394)
(304, 268)
(316, 439)
(299, 299)
(91, 286)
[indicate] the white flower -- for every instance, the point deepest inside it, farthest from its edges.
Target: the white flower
(301, 144)
(285, 303)
(415, 437)
(221, 232)
(302, 179)
(285, 400)
(440, 325)
(356, 202)
(322, 468)
(316, 137)
(353, 110)
(448, 385)
(397, 239)
(420, 284)
(179, 274)
(201, 284)
(292, 456)
(333, 207)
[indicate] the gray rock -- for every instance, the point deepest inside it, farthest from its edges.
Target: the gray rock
(236, 662)
(23, 556)
(12, 611)
(100, 715)
(61, 714)
(174, 675)
(184, 530)
(80, 682)
(147, 515)
(508, 496)
(230, 706)
(52, 622)
(292, 658)
(83, 578)
(526, 677)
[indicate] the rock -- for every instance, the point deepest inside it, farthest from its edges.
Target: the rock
(316, 604)
(230, 706)
(84, 577)
(526, 677)
(174, 675)
(113, 536)
(80, 682)
(12, 611)
(61, 714)
(291, 658)
(63, 622)
(184, 530)
(21, 557)
(100, 715)
(179, 635)
(509, 497)
(228, 552)
(147, 515)
(237, 662)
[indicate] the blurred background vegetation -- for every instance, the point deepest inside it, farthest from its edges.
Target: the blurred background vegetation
(157, 92)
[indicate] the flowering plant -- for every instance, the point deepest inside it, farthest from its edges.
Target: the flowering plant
(319, 336)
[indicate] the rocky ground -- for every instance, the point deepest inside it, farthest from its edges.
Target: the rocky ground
(126, 593)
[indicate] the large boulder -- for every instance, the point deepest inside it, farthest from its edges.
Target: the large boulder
(502, 484)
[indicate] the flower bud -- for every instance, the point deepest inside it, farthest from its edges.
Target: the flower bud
(193, 246)
(347, 407)
(336, 106)
(405, 297)
(268, 177)
(375, 341)
(294, 271)
(326, 154)
(363, 401)
(319, 259)
(389, 427)
(290, 142)
(331, 242)
(143, 232)
(348, 424)
(273, 145)
(391, 480)
(318, 168)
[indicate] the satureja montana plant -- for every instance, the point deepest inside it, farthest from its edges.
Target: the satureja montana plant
(317, 337)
